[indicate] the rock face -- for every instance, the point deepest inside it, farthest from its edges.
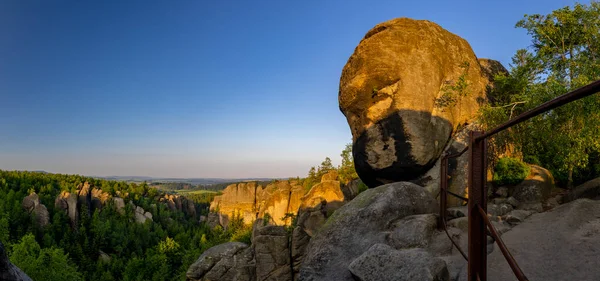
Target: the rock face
(271, 253)
(141, 216)
(68, 202)
(229, 261)
(589, 189)
(252, 201)
(406, 265)
(536, 188)
(387, 92)
(360, 224)
(8, 271)
(561, 244)
(32, 204)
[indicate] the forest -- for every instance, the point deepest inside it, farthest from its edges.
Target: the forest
(107, 245)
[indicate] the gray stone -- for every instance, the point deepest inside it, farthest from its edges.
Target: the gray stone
(30, 202)
(502, 192)
(271, 252)
(413, 231)
(498, 210)
(8, 271)
(460, 223)
(350, 190)
(381, 262)
(42, 217)
(534, 207)
(119, 204)
(228, 261)
(361, 223)
(535, 188)
(499, 201)
(458, 212)
(513, 202)
(589, 189)
(517, 216)
(558, 245)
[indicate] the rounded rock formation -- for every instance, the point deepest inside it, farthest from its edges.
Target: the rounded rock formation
(388, 93)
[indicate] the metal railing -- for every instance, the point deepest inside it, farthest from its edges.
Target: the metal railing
(479, 223)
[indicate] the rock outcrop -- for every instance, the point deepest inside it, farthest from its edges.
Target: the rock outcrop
(354, 228)
(141, 216)
(275, 201)
(8, 271)
(31, 203)
(68, 202)
(388, 91)
(229, 261)
(589, 189)
(179, 203)
(271, 252)
(536, 188)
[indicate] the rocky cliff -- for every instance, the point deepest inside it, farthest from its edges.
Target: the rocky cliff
(252, 201)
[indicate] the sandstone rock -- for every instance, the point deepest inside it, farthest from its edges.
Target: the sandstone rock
(387, 92)
(517, 216)
(299, 242)
(229, 261)
(30, 202)
(8, 271)
(271, 253)
(237, 199)
(103, 256)
(461, 223)
(42, 217)
(350, 190)
(561, 244)
(499, 210)
(141, 216)
(381, 262)
(361, 223)
(457, 212)
(458, 168)
(536, 188)
(277, 200)
(513, 202)
(413, 231)
(119, 204)
(329, 191)
(68, 202)
(502, 192)
(330, 176)
(310, 220)
(589, 189)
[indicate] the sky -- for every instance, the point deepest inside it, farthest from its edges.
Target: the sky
(228, 89)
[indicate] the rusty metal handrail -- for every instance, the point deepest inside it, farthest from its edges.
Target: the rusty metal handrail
(478, 220)
(511, 260)
(444, 196)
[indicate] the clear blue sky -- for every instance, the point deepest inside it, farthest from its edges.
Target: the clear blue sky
(200, 88)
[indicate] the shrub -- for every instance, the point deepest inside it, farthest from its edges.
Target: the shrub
(510, 171)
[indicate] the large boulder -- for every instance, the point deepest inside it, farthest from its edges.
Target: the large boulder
(271, 252)
(8, 271)
(561, 244)
(388, 91)
(536, 188)
(361, 223)
(589, 189)
(229, 261)
(382, 262)
(30, 202)
(68, 202)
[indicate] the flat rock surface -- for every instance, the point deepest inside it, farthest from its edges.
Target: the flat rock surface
(561, 244)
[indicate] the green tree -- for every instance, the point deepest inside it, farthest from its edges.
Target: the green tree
(564, 55)
(43, 264)
(346, 170)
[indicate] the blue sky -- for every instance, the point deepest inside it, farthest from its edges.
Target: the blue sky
(200, 88)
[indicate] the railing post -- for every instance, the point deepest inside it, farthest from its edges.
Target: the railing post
(443, 193)
(477, 198)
